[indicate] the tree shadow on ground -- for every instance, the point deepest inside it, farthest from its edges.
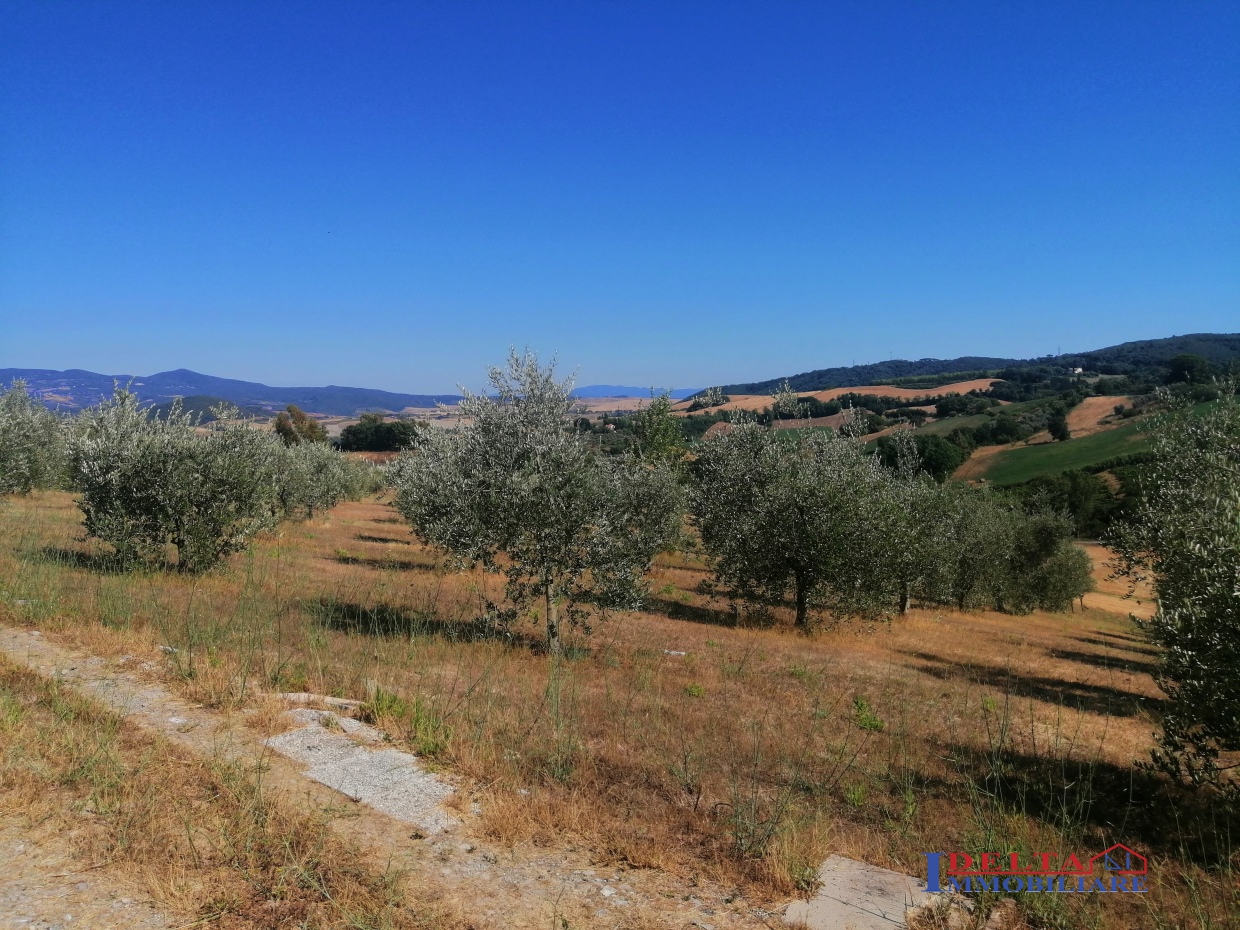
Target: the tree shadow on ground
(1102, 660)
(366, 537)
(1098, 699)
(101, 563)
(1126, 643)
(384, 620)
(678, 610)
(387, 563)
(1114, 803)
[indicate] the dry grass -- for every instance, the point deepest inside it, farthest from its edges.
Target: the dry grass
(206, 839)
(747, 760)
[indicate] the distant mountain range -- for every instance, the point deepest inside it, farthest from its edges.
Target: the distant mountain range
(1125, 358)
(74, 389)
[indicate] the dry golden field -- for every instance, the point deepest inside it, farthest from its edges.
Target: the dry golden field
(673, 739)
(758, 402)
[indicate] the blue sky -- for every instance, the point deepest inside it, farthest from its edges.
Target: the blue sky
(390, 194)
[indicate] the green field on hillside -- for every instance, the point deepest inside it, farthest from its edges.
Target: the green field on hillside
(1024, 462)
(945, 426)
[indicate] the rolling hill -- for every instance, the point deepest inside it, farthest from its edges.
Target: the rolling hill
(1126, 358)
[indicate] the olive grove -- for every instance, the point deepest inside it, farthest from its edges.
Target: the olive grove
(816, 521)
(150, 486)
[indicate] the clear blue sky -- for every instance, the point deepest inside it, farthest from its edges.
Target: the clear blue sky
(389, 194)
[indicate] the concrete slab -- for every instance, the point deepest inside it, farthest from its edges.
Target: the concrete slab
(388, 780)
(858, 896)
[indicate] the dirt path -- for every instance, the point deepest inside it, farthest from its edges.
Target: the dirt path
(495, 885)
(43, 886)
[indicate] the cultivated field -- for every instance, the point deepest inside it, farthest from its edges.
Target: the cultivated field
(757, 402)
(672, 740)
(1020, 462)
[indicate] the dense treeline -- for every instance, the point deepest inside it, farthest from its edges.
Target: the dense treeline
(375, 433)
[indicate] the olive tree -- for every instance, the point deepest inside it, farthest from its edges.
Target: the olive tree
(910, 523)
(312, 477)
(32, 443)
(1185, 537)
(659, 436)
(145, 483)
(516, 490)
(782, 517)
(786, 403)
(975, 543)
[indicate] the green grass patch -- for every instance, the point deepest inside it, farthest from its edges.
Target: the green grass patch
(1025, 462)
(946, 425)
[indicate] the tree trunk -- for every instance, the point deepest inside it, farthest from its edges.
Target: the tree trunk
(802, 603)
(905, 599)
(554, 646)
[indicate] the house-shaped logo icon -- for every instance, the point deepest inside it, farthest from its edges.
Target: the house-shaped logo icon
(1120, 860)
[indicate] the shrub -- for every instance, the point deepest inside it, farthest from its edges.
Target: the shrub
(312, 477)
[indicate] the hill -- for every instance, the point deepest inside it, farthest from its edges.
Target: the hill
(854, 376)
(74, 389)
(1128, 357)
(1144, 356)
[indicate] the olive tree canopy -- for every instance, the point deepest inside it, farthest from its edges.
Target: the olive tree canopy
(1186, 537)
(31, 443)
(146, 482)
(515, 490)
(788, 516)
